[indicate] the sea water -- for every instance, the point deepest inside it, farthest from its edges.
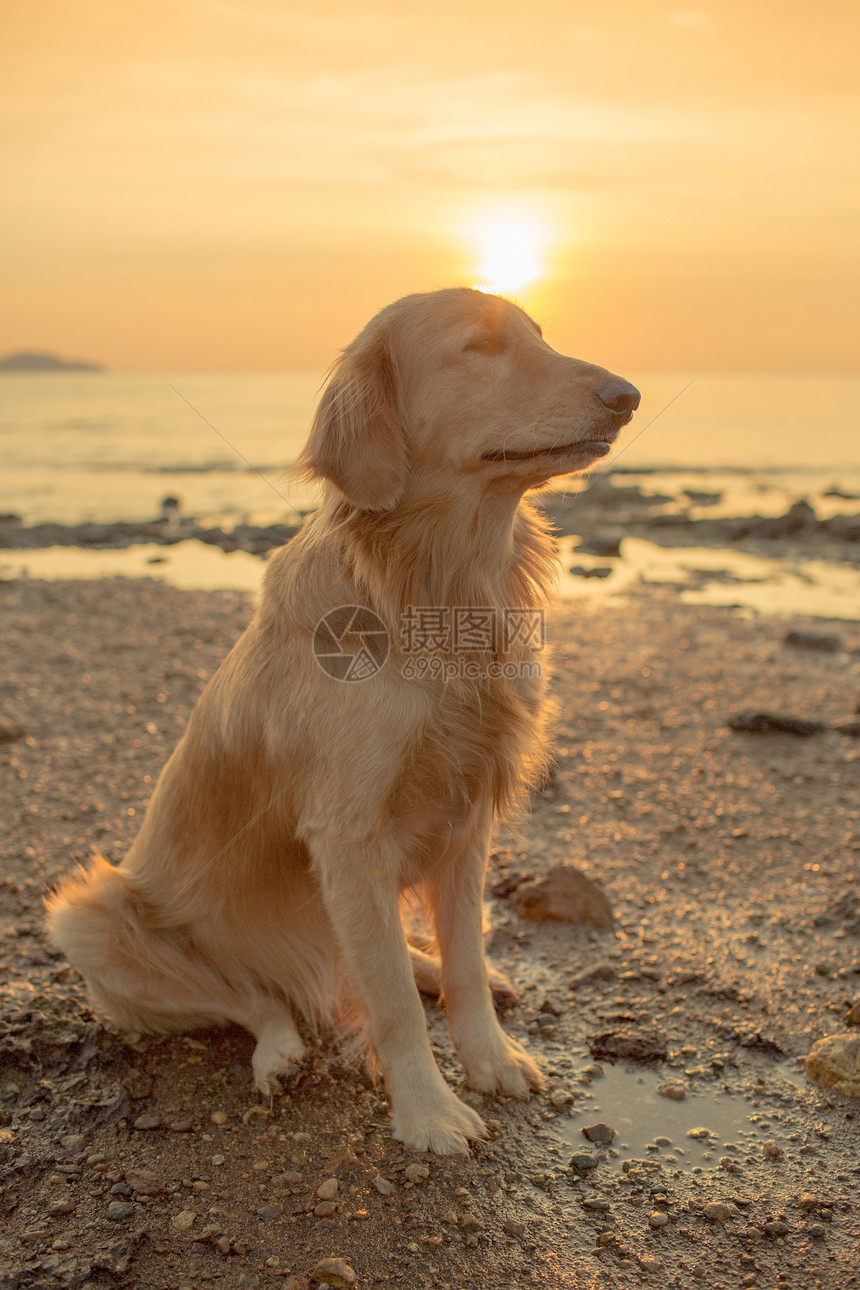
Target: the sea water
(110, 446)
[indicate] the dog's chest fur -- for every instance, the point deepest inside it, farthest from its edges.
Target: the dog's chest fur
(482, 741)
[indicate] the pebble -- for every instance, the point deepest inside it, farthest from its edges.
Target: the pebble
(61, 1207)
(817, 1230)
(144, 1181)
(184, 1219)
(600, 1132)
(560, 1097)
(223, 1246)
(658, 1218)
(821, 641)
(514, 1228)
(119, 1210)
(328, 1189)
(270, 1211)
(777, 1227)
(699, 1133)
(325, 1209)
(74, 1143)
(471, 1223)
(219, 1117)
(807, 1201)
(383, 1186)
(147, 1122)
(335, 1272)
(673, 1089)
(596, 1205)
(583, 1161)
(771, 1150)
(719, 1211)
(416, 1173)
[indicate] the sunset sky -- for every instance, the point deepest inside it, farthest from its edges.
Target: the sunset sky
(223, 185)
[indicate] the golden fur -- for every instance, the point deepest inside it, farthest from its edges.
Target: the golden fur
(297, 808)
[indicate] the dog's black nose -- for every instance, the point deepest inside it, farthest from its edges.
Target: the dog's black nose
(619, 396)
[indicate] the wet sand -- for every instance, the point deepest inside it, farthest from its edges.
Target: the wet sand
(730, 860)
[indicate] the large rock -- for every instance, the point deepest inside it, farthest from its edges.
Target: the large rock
(564, 895)
(835, 1063)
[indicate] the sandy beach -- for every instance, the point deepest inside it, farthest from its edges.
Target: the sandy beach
(729, 858)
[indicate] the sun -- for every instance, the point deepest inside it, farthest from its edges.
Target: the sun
(510, 254)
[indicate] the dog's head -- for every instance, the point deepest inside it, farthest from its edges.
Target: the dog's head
(458, 383)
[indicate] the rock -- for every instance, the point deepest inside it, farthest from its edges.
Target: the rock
(383, 1186)
(60, 1207)
(471, 1223)
(605, 544)
(835, 1062)
(336, 1272)
(771, 1150)
(770, 723)
(146, 1122)
(328, 1189)
(144, 1181)
(223, 1246)
(596, 1205)
(219, 1117)
(588, 976)
(599, 571)
(700, 1134)
(850, 728)
(808, 1202)
(270, 1212)
(10, 731)
(600, 1133)
(777, 1227)
(560, 1097)
(119, 1210)
(823, 642)
(582, 1162)
(719, 1211)
(642, 1043)
(184, 1219)
(564, 895)
(658, 1218)
(673, 1089)
(852, 1016)
(416, 1173)
(73, 1143)
(514, 1228)
(325, 1209)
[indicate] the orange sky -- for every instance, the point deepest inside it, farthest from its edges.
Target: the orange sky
(217, 184)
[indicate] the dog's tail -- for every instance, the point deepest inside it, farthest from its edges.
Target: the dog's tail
(138, 973)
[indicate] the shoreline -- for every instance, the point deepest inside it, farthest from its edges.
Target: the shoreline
(618, 508)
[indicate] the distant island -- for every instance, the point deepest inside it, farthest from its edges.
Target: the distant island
(31, 361)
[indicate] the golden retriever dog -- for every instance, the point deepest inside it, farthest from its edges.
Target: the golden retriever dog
(335, 762)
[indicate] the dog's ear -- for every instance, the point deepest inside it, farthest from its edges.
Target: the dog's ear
(357, 440)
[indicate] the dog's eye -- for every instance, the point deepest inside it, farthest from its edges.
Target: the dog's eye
(486, 345)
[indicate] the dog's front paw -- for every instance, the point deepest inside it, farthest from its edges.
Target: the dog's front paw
(279, 1050)
(441, 1123)
(501, 1065)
